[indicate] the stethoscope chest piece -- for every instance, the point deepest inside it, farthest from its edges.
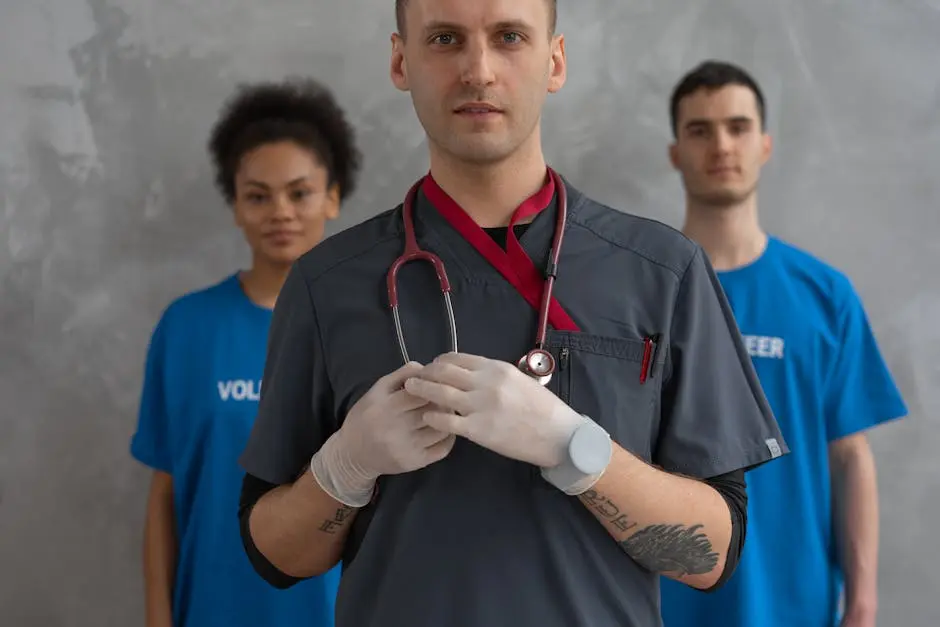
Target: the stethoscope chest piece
(539, 364)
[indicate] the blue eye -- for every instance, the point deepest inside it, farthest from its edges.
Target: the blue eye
(443, 39)
(511, 38)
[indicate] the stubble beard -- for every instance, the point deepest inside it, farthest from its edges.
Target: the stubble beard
(725, 198)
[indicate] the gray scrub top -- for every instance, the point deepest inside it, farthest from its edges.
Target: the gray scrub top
(479, 540)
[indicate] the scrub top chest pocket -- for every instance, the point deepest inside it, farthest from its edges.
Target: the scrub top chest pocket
(614, 380)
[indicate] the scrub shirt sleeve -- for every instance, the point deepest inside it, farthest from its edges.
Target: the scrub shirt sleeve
(860, 392)
(295, 411)
(150, 444)
(715, 418)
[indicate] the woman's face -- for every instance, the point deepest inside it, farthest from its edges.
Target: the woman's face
(282, 201)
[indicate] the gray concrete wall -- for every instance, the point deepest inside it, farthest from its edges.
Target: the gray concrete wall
(107, 212)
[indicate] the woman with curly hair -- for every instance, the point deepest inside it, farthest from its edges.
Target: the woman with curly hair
(284, 158)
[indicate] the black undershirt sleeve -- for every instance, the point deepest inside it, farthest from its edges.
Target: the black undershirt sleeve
(733, 488)
(253, 489)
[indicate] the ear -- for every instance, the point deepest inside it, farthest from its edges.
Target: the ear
(237, 215)
(767, 145)
(674, 155)
(331, 208)
(398, 69)
(559, 68)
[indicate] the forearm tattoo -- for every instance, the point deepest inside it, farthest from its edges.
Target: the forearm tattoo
(338, 521)
(675, 549)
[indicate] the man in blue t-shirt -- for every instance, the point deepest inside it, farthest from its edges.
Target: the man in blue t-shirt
(809, 338)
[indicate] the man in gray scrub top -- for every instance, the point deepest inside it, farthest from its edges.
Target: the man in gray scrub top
(455, 488)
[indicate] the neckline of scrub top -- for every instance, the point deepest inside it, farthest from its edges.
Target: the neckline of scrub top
(500, 233)
(513, 263)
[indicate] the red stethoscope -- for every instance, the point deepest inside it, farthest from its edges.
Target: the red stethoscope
(538, 362)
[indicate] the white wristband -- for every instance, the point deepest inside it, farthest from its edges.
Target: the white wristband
(587, 455)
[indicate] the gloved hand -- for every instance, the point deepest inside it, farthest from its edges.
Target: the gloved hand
(383, 434)
(496, 405)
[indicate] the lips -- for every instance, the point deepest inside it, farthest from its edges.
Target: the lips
(477, 108)
(281, 235)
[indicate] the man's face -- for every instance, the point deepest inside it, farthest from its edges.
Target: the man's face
(282, 201)
(478, 72)
(720, 147)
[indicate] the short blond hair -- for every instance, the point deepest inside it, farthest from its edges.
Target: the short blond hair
(401, 5)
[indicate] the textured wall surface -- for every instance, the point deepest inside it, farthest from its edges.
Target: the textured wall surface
(107, 212)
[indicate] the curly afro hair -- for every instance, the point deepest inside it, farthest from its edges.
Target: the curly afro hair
(296, 109)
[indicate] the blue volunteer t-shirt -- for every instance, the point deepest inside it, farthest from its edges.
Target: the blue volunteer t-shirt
(200, 397)
(818, 362)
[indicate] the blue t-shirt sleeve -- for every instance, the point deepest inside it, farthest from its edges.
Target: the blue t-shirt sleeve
(860, 392)
(715, 418)
(150, 444)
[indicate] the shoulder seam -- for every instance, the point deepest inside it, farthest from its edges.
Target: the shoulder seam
(635, 251)
(349, 257)
(314, 277)
(675, 307)
(316, 322)
(685, 272)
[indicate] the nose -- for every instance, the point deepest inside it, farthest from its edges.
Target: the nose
(283, 208)
(723, 141)
(477, 70)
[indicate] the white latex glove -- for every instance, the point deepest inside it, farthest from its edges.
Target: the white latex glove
(383, 434)
(496, 405)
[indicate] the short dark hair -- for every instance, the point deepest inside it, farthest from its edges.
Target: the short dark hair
(711, 75)
(296, 109)
(401, 5)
